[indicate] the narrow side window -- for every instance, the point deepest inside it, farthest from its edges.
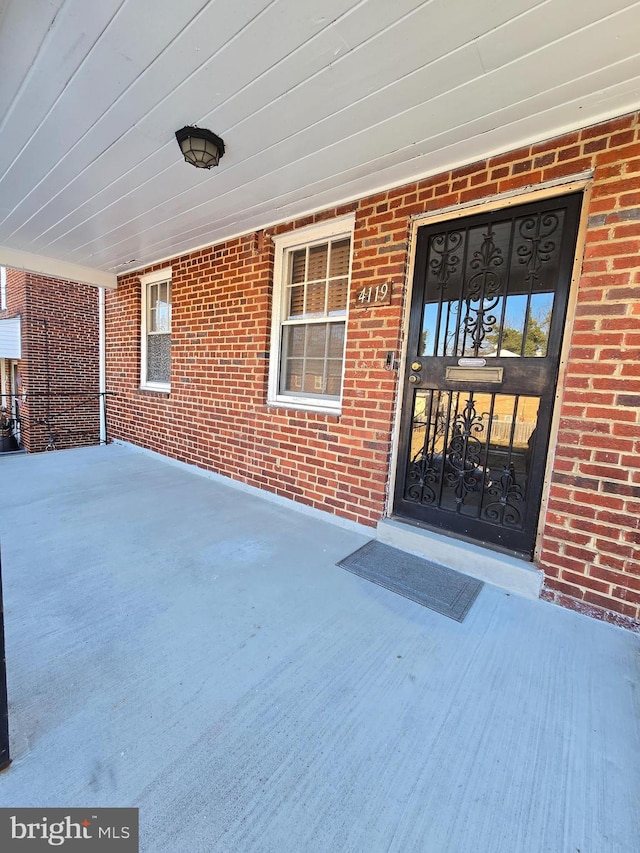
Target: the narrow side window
(155, 337)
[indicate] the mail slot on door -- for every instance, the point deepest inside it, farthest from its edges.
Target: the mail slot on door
(474, 374)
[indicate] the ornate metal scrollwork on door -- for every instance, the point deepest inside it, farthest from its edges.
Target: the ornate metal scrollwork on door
(509, 493)
(444, 247)
(424, 470)
(490, 293)
(537, 248)
(422, 478)
(465, 452)
(484, 289)
(471, 461)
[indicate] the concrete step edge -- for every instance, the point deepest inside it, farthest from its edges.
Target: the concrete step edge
(510, 573)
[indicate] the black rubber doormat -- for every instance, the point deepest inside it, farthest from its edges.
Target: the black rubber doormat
(436, 587)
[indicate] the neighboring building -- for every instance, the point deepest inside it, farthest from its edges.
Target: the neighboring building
(460, 354)
(49, 360)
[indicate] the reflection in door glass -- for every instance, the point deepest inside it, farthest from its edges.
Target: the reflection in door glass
(489, 288)
(470, 453)
(538, 322)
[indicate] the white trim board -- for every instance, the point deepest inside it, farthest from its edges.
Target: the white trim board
(55, 268)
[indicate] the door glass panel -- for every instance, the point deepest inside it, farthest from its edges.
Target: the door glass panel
(506, 341)
(470, 452)
(489, 289)
(538, 323)
(443, 287)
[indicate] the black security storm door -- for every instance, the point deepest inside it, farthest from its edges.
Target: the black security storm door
(487, 316)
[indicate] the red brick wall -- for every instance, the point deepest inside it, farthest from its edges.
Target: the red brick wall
(216, 415)
(16, 292)
(59, 364)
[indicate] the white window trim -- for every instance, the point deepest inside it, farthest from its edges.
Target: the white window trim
(302, 237)
(145, 281)
(3, 288)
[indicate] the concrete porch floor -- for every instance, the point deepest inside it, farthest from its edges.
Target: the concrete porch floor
(184, 646)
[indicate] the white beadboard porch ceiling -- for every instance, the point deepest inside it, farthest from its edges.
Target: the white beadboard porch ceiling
(317, 102)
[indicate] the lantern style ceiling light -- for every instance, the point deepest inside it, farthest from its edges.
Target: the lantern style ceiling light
(200, 147)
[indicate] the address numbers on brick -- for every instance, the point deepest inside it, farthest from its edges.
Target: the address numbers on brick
(371, 295)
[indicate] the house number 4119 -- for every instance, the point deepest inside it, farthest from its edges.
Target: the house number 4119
(379, 294)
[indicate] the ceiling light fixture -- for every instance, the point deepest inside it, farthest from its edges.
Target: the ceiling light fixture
(200, 147)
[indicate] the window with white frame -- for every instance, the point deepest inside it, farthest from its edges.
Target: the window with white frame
(3, 288)
(311, 297)
(155, 368)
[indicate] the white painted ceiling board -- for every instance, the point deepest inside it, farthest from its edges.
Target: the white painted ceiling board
(311, 100)
(249, 52)
(456, 69)
(481, 139)
(108, 131)
(539, 26)
(252, 171)
(475, 100)
(324, 50)
(21, 36)
(228, 174)
(467, 143)
(63, 51)
(79, 189)
(178, 178)
(178, 96)
(95, 86)
(316, 199)
(316, 103)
